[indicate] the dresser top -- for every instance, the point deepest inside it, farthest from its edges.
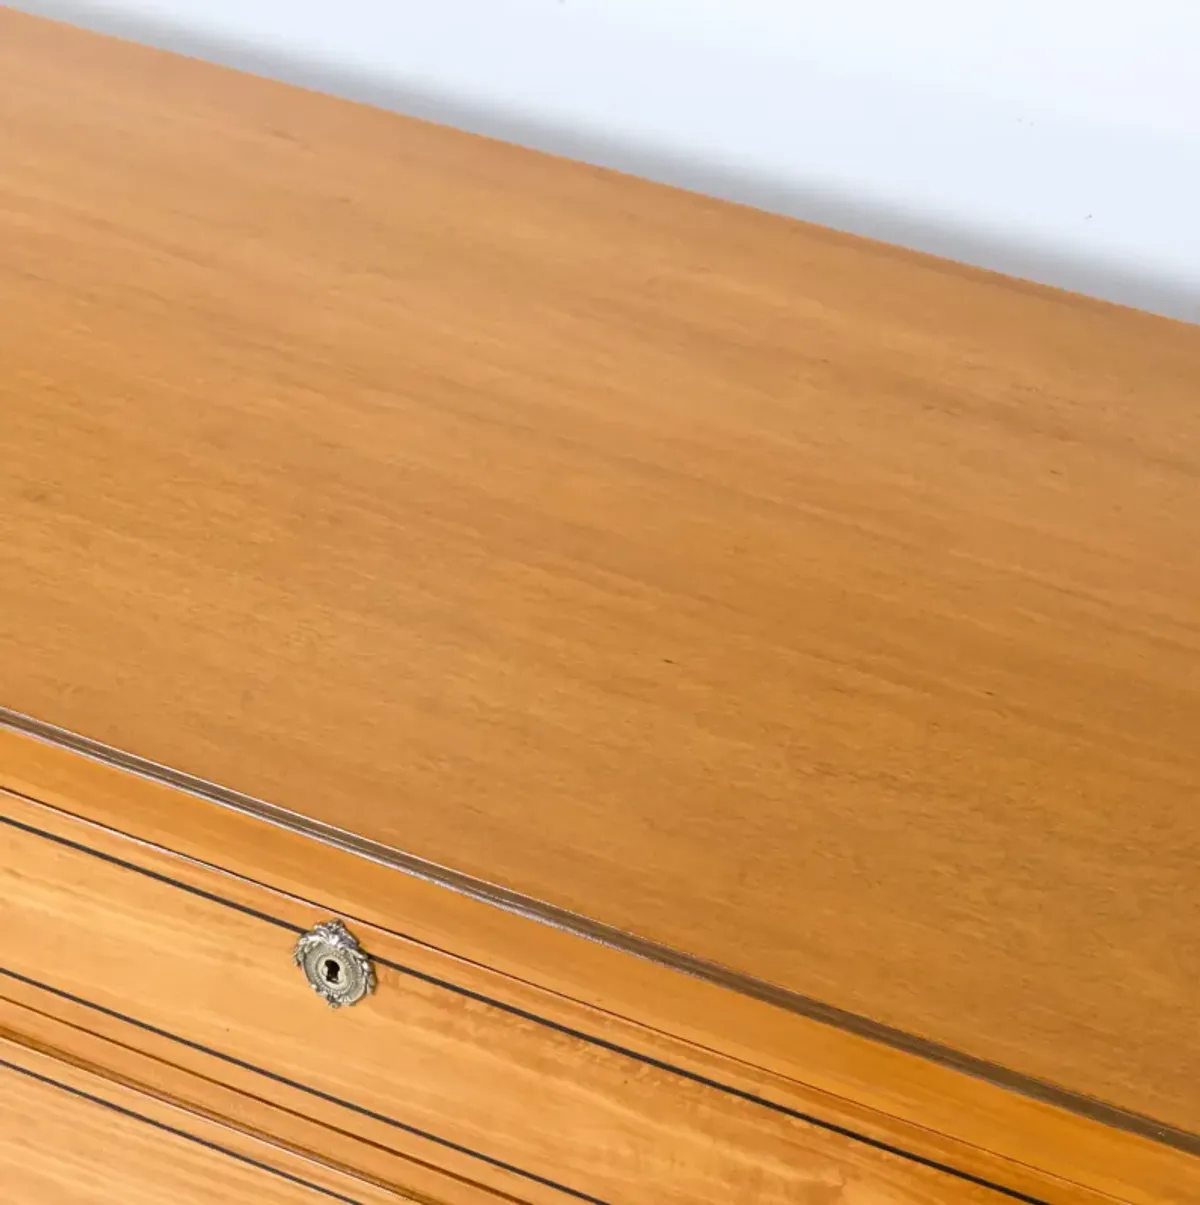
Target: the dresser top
(825, 611)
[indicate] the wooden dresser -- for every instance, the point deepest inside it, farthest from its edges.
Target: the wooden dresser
(520, 684)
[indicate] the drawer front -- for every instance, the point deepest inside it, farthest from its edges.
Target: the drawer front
(435, 1056)
(69, 1137)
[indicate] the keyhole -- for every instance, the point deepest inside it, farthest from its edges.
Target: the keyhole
(331, 971)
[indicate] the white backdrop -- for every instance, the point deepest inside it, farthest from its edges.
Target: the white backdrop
(1055, 139)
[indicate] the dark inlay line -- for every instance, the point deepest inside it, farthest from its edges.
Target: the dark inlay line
(161, 1125)
(112, 860)
(233, 1060)
(524, 1014)
(707, 1082)
(606, 935)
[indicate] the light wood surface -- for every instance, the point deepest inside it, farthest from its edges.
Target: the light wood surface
(77, 1037)
(568, 1114)
(823, 610)
(70, 1137)
(886, 1095)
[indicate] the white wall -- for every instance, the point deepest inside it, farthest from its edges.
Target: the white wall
(1056, 139)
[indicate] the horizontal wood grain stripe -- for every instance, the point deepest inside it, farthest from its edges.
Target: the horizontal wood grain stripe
(456, 1148)
(975, 1127)
(111, 1178)
(231, 1091)
(75, 1033)
(172, 1130)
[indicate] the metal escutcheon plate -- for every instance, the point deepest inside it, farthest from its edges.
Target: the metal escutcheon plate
(334, 964)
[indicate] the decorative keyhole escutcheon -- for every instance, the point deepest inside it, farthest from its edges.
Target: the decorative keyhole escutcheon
(334, 964)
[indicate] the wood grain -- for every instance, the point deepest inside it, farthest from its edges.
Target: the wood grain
(91, 1042)
(823, 610)
(70, 1137)
(575, 1117)
(884, 1094)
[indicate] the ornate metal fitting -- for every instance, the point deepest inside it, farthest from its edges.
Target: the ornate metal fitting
(334, 964)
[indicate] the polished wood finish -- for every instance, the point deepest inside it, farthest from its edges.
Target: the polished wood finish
(822, 610)
(77, 1035)
(886, 1095)
(434, 1048)
(71, 1137)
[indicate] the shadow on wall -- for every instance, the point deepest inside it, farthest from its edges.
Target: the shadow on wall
(826, 207)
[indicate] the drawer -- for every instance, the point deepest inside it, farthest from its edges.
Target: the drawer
(69, 1137)
(443, 1062)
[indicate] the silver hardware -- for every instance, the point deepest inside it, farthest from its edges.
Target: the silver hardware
(334, 964)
